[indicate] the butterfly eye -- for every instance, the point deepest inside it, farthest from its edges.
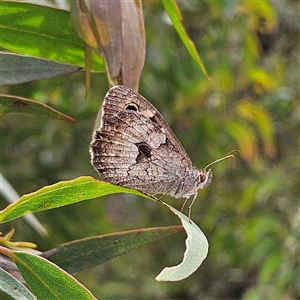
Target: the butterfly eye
(132, 106)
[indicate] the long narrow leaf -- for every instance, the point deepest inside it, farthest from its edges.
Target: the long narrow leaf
(84, 254)
(61, 194)
(15, 68)
(48, 281)
(13, 287)
(12, 104)
(175, 16)
(42, 31)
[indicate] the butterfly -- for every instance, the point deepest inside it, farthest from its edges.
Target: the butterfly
(134, 147)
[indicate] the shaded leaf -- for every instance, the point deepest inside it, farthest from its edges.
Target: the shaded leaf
(61, 194)
(84, 254)
(16, 68)
(13, 287)
(248, 198)
(42, 31)
(196, 251)
(13, 104)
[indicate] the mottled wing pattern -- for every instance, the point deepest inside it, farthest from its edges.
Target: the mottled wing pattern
(135, 147)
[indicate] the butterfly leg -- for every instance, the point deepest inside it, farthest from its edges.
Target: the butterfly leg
(190, 206)
(184, 203)
(153, 196)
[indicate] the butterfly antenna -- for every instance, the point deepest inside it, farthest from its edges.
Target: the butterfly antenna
(228, 155)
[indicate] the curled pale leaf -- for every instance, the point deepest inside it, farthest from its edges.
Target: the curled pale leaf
(196, 251)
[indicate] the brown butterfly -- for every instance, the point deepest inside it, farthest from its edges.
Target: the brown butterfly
(135, 148)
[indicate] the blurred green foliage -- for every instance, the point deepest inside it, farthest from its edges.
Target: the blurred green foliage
(249, 213)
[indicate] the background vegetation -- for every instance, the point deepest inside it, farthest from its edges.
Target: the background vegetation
(249, 213)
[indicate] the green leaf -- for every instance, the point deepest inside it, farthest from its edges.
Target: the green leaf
(13, 104)
(42, 31)
(196, 251)
(270, 267)
(16, 68)
(260, 117)
(61, 194)
(244, 137)
(84, 254)
(175, 16)
(13, 287)
(84, 188)
(48, 281)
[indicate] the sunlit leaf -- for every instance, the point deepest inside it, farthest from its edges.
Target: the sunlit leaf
(251, 50)
(61, 194)
(41, 31)
(48, 281)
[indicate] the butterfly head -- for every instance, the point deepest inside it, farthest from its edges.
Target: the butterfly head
(205, 178)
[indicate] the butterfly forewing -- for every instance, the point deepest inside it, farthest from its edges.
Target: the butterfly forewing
(135, 147)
